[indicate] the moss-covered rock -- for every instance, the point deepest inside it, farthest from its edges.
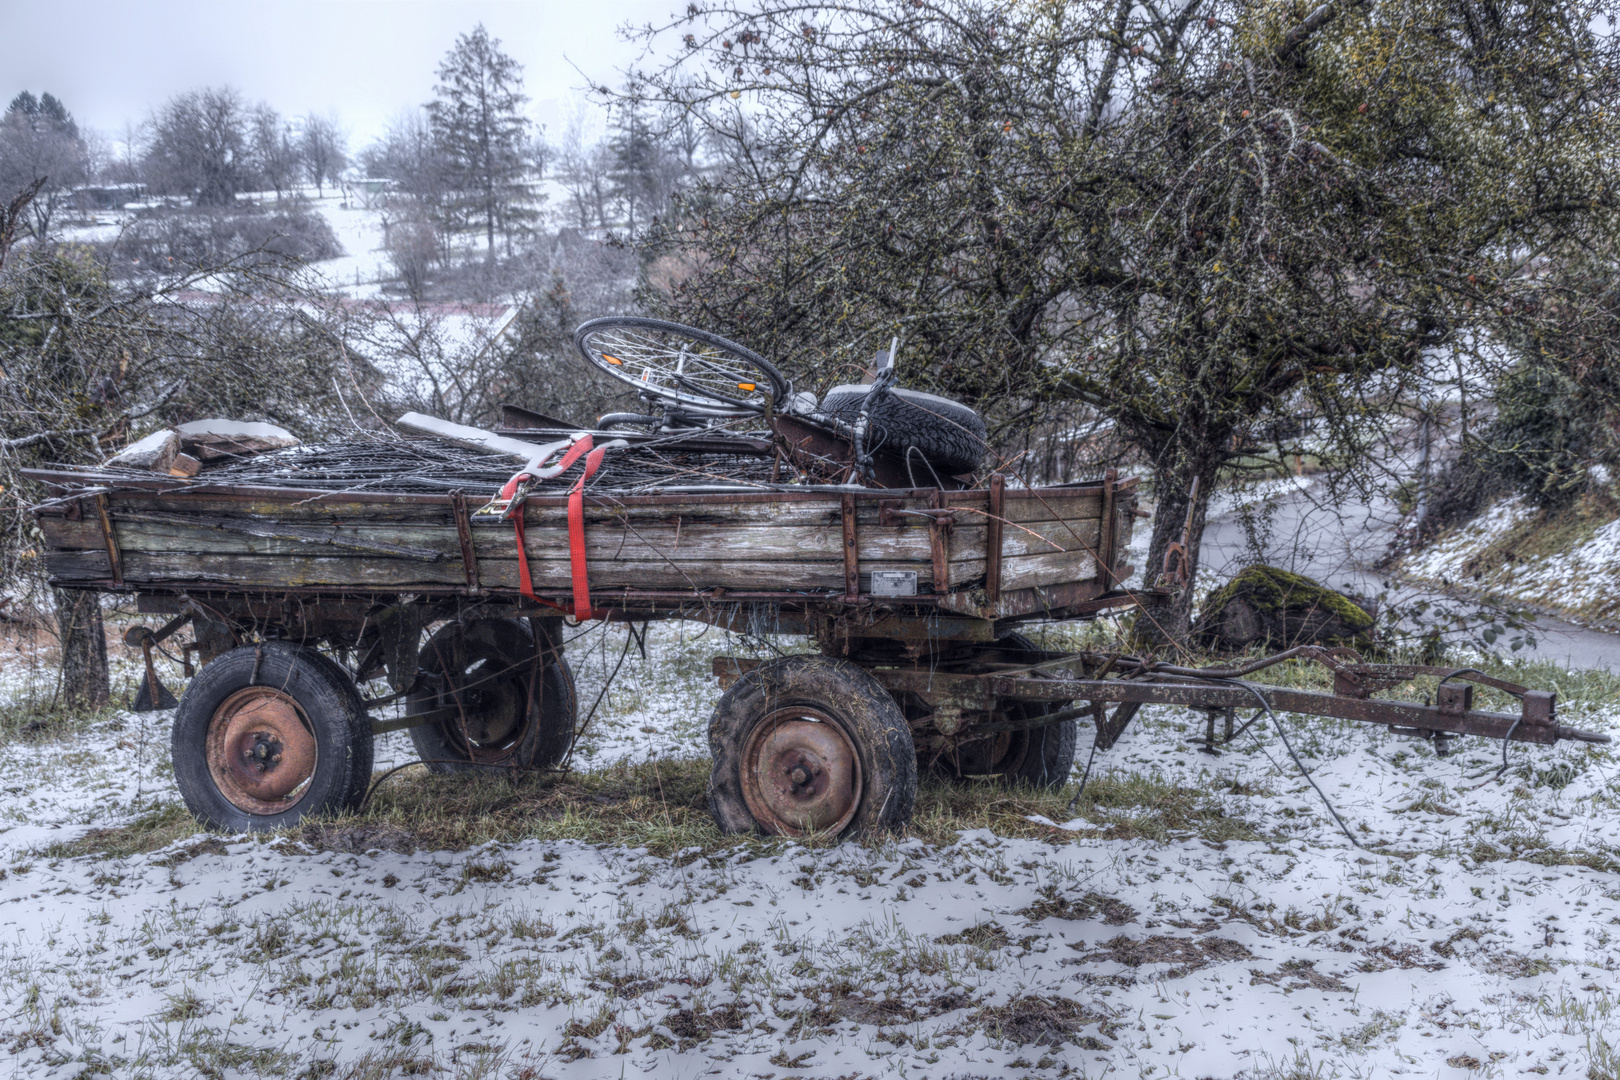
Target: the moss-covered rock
(1275, 608)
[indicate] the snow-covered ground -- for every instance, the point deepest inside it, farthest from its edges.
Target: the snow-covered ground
(1582, 580)
(1477, 937)
(364, 265)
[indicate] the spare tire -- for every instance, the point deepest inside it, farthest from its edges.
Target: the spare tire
(949, 434)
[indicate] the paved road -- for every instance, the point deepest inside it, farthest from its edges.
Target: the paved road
(1333, 543)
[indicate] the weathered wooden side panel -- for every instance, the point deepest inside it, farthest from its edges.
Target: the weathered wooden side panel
(774, 542)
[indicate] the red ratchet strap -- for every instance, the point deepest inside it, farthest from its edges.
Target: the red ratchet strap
(576, 529)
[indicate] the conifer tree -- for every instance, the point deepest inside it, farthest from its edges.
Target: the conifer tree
(478, 123)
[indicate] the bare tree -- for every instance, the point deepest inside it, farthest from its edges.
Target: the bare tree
(1198, 220)
(90, 364)
(324, 150)
(275, 152)
(408, 155)
(413, 245)
(40, 141)
(199, 146)
(583, 166)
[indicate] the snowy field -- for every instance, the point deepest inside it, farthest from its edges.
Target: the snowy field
(1583, 581)
(1472, 935)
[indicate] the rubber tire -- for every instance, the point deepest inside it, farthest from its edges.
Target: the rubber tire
(949, 434)
(546, 744)
(853, 698)
(778, 383)
(328, 698)
(1049, 752)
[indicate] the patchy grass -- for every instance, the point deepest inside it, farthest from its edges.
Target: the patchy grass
(1542, 534)
(40, 717)
(664, 807)
(1562, 561)
(157, 828)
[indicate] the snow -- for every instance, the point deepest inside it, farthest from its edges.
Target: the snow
(1291, 954)
(463, 435)
(149, 449)
(1582, 580)
(534, 455)
(236, 429)
(364, 265)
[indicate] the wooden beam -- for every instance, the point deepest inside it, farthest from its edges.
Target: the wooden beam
(114, 559)
(852, 555)
(939, 545)
(469, 558)
(992, 539)
(1105, 541)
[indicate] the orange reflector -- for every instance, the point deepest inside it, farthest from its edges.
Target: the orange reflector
(745, 386)
(612, 360)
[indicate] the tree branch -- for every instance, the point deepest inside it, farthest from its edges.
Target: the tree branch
(1313, 22)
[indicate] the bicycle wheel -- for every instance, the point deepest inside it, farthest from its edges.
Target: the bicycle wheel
(680, 364)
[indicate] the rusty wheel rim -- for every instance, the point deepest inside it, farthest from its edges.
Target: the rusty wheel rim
(261, 750)
(801, 774)
(1001, 753)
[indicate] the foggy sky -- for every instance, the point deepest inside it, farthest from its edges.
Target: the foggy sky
(113, 61)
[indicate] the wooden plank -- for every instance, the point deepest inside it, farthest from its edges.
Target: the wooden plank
(367, 542)
(90, 565)
(253, 572)
(939, 549)
(604, 541)
(1025, 507)
(695, 544)
(827, 511)
(256, 572)
(1038, 538)
(1105, 542)
(64, 533)
(1056, 568)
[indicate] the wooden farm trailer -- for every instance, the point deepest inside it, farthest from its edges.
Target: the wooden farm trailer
(294, 598)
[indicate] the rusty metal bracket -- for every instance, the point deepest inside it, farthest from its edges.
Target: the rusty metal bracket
(1177, 570)
(1538, 708)
(852, 554)
(1454, 699)
(892, 513)
(152, 693)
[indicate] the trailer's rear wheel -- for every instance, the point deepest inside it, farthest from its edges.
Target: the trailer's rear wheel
(807, 744)
(267, 735)
(484, 674)
(1043, 756)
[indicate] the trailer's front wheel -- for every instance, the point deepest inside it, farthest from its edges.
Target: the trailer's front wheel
(267, 735)
(807, 744)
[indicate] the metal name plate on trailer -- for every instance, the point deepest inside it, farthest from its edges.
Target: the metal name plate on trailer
(894, 583)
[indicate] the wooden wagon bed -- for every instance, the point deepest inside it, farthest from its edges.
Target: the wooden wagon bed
(998, 553)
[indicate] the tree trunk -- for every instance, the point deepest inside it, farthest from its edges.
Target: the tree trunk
(1167, 619)
(85, 685)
